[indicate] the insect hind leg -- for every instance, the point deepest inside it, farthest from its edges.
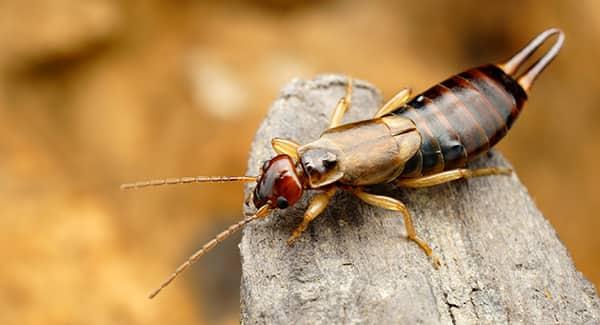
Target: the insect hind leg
(398, 100)
(452, 175)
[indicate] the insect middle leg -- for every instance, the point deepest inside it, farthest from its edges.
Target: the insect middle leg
(289, 147)
(452, 175)
(342, 106)
(318, 203)
(389, 203)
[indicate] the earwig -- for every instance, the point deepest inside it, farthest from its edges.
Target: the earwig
(420, 142)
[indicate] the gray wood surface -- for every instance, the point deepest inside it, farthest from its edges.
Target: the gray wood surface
(502, 262)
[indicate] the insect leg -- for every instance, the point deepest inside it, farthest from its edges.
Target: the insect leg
(398, 100)
(318, 203)
(451, 175)
(287, 147)
(389, 203)
(342, 106)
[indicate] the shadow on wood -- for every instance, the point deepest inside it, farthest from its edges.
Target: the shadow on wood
(501, 260)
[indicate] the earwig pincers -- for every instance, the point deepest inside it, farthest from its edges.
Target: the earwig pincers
(412, 142)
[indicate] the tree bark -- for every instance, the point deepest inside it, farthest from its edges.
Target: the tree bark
(502, 262)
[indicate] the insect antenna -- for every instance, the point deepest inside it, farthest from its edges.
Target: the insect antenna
(188, 180)
(262, 212)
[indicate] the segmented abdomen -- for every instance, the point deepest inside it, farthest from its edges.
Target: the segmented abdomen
(461, 118)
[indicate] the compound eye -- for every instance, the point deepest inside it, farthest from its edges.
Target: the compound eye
(282, 202)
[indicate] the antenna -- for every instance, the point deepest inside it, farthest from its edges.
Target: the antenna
(188, 180)
(262, 212)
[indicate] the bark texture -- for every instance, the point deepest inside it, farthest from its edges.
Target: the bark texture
(502, 262)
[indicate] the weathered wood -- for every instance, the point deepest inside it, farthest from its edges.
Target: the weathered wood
(501, 260)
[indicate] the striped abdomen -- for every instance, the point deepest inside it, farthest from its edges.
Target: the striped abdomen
(461, 118)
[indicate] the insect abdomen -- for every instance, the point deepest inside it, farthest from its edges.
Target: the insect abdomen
(462, 117)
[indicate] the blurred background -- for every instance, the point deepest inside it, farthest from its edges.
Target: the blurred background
(99, 92)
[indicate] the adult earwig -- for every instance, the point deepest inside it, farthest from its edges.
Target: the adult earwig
(424, 141)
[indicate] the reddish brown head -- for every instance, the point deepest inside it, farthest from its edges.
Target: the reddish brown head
(278, 185)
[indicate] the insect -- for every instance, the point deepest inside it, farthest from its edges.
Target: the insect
(414, 142)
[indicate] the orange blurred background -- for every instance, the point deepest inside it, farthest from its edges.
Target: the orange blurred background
(99, 92)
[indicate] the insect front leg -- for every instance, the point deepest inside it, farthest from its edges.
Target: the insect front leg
(389, 203)
(318, 203)
(286, 147)
(451, 175)
(342, 106)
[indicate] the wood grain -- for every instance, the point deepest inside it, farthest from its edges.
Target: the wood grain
(502, 262)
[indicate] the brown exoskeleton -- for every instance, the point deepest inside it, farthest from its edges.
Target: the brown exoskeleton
(418, 142)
